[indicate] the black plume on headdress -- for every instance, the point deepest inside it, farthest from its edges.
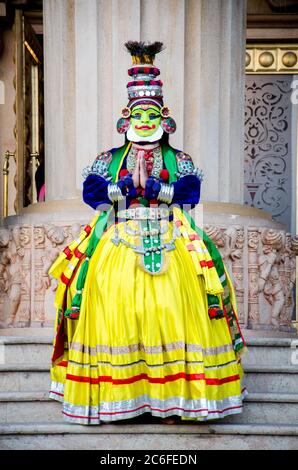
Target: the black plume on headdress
(142, 51)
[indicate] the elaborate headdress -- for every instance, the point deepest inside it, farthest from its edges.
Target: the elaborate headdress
(143, 86)
(143, 73)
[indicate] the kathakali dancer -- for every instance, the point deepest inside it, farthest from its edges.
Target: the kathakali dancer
(146, 309)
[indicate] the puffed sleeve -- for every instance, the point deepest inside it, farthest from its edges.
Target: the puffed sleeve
(186, 190)
(95, 191)
(96, 181)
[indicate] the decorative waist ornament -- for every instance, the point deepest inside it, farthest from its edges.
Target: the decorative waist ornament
(151, 240)
(139, 213)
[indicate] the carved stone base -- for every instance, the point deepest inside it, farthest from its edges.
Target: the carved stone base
(259, 254)
(29, 243)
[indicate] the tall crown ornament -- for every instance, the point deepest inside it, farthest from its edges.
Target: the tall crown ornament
(144, 88)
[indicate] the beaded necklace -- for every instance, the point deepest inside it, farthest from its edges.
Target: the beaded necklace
(152, 155)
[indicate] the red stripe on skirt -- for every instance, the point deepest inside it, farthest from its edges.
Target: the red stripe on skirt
(161, 380)
(63, 363)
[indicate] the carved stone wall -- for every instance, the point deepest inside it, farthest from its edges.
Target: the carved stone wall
(26, 290)
(266, 257)
(230, 242)
(267, 136)
(258, 253)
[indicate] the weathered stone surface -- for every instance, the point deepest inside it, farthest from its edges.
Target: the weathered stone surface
(274, 351)
(271, 379)
(25, 380)
(27, 353)
(35, 411)
(190, 437)
(266, 411)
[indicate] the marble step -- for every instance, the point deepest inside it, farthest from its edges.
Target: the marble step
(41, 436)
(266, 408)
(26, 349)
(275, 379)
(271, 379)
(38, 350)
(259, 408)
(24, 377)
(273, 351)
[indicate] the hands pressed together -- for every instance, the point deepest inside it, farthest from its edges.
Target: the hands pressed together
(140, 174)
(139, 179)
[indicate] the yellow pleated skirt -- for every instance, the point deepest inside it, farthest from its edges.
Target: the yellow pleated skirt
(144, 343)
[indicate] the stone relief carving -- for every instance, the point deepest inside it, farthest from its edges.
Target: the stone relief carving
(4, 241)
(253, 277)
(269, 280)
(56, 236)
(51, 241)
(271, 274)
(15, 269)
(54, 239)
(4, 281)
(41, 279)
(230, 242)
(289, 280)
(237, 258)
(261, 262)
(26, 254)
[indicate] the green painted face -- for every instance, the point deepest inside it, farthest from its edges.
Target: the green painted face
(145, 119)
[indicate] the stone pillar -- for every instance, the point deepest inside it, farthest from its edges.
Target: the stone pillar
(165, 21)
(85, 84)
(87, 91)
(118, 22)
(214, 91)
(86, 74)
(59, 72)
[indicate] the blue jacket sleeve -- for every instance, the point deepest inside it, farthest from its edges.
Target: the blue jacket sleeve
(187, 190)
(95, 191)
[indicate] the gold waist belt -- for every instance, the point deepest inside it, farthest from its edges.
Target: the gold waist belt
(143, 213)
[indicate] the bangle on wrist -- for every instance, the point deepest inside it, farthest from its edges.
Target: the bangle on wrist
(114, 192)
(166, 193)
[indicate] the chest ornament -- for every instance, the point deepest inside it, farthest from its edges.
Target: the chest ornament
(100, 166)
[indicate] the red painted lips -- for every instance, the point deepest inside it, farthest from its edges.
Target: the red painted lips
(145, 127)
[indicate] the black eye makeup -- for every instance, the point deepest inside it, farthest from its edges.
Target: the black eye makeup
(153, 116)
